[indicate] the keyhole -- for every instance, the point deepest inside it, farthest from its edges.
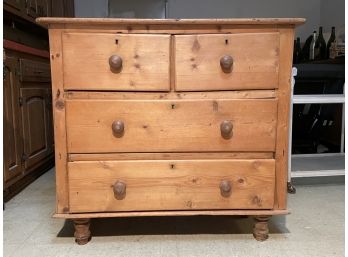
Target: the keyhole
(226, 41)
(173, 106)
(172, 166)
(116, 41)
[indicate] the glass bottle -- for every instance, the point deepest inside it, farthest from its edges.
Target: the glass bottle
(312, 46)
(320, 46)
(297, 51)
(331, 40)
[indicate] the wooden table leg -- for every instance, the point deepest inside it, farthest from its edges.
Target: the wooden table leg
(82, 233)
(261, 228)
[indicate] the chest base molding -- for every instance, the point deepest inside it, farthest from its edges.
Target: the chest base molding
(170, 213)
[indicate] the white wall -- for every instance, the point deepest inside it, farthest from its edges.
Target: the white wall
(91, 8)
(309, 9)
(317, 12)
(136, 8)
(332, 15)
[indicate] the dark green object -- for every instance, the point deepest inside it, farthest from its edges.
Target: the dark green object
(320, 46)
(329, 43)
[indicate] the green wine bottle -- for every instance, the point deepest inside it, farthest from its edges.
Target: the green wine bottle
(312, 49)
(297, 51)
(320, 46)
(329, 43)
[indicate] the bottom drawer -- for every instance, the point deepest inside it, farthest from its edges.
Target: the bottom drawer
(101, 186)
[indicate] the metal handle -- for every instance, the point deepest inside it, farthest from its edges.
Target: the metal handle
(115, 63)
(226, 63)
(226, 129)
(225, 188)
(119, 190)
(118, 128)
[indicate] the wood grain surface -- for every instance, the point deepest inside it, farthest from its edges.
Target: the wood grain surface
(105, 21)
(168, 213)
(169, 156)
(58, 100)
(145, 62)
(171, 96)
(171, 185)
(255, 61)
(236, 94)
(170, 126)
(282, 149)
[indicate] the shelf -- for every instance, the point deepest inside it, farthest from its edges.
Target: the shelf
(315, 165)
(318, 99)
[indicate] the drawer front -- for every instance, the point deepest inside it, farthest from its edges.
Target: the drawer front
(97, 61)
(226, 61)
(97, 186)
(95, 126)
(34, 71)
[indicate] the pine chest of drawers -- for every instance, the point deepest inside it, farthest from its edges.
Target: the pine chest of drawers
(170, 117)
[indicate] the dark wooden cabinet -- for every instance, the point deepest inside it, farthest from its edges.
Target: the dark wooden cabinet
(13, 143)
(42, 8)
(35, 117)
(28, 130)
(37, 8)
(62, 8)
(28, 120)
(18, 5)
(31, 9)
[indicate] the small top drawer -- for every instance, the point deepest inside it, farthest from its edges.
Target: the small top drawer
(101, 61)
(34, 71)
(226, 61)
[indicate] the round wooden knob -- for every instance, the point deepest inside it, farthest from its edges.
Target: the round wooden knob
(119, 190)
(225, 188)
(115, 62)
(118, 128)
(226, 63)
(226, 129)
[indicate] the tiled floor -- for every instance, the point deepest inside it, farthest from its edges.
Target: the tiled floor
(315, 228)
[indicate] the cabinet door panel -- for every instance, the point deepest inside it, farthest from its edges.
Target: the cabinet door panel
(13, 146)
(35, 125)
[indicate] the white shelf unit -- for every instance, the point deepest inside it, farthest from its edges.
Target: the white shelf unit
(318, 99)
(315, 165)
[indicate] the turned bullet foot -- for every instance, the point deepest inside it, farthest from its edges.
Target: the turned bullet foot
(261, 228)
(82, 233)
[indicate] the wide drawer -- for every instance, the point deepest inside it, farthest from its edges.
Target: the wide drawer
(226, 61)
(97, 186)
(101, 61)
(99, 126)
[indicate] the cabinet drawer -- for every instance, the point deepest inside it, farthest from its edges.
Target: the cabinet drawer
(97, 186)
(95, 126)
(100, 61)
(34, 71)
(226, 61)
